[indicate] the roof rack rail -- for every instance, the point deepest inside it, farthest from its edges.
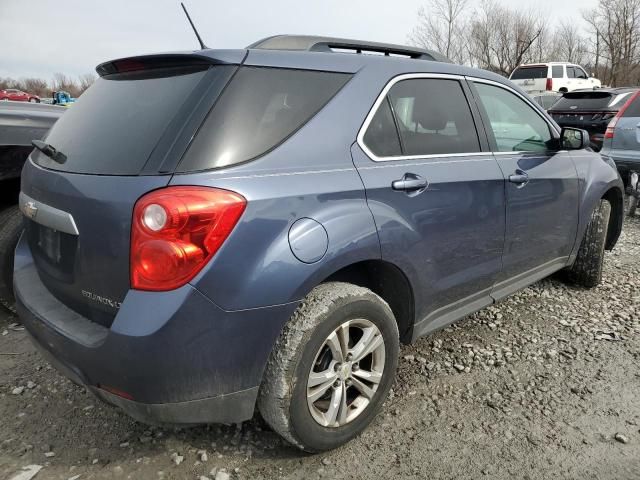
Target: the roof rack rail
(313, 43)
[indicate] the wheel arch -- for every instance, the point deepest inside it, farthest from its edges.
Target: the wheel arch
(615, 197)
(390, 283)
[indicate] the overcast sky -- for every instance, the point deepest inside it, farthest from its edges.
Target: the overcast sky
(41, 37)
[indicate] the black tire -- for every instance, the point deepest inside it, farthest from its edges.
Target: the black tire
(282, 399)
(586, 271)
(633, 205)
(10, 230)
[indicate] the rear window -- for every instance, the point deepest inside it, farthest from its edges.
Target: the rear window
(115, 125)
(258, 110)
(591, 101)
(523, 73)
(633, 110)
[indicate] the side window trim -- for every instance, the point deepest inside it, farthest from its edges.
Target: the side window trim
(383, 96)
(555, 132)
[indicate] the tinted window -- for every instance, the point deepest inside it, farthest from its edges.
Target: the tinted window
(589, 101)
(516, 125)
(522, 73)
(580, 73)
(557, 71)
(381, 136)
(259, 109)
(114, 126)
(433, 117)
(571, 72)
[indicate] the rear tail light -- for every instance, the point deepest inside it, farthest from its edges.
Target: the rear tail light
(549, 84)
(176, 231)
(611, 128)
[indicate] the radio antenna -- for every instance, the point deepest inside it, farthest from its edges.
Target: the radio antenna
(202, 45)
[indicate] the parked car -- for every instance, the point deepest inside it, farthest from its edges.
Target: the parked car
(20, 123)
(592, 110)
(277, 219)
(62, 98)
(18, 96)
(547, 100)
(621, 140)
(552, 77)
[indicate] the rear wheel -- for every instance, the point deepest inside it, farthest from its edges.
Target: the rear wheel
(10, 229)
(332, 367)
(586, 271)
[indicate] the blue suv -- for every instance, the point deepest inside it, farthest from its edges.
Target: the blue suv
(211, 231)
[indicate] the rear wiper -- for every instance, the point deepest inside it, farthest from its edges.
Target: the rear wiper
(49, 151)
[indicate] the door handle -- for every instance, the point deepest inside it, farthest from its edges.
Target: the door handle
(411, 183)
(520, 178)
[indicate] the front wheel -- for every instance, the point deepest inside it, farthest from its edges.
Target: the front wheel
(34, 100)
(331, 368)
(586, 271)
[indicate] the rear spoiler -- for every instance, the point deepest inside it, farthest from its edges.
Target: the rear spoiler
(200, 58)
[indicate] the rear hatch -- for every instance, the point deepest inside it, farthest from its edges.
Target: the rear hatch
(531, 78)
(591, 110)
(121, 139)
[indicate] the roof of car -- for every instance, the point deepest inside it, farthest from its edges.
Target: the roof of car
(314, 53)
(614, 90)
(545, 64)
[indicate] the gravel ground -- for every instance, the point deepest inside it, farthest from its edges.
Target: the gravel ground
(543, 385)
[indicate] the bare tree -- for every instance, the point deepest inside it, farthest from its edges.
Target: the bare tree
(570, 45)
(615, 24)
(505, 38)
(441, 27)
(85, 81)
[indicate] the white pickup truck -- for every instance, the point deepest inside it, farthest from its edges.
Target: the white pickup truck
(552, 77)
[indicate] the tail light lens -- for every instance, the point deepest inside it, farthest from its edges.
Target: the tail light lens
(176, 231)
(611, 127)
(549, 84)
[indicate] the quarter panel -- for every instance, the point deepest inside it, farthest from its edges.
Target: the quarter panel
(256, 267)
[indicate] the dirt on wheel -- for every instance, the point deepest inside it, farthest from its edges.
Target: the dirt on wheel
(543, 385)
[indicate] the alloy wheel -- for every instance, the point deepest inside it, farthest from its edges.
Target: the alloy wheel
(346, 373)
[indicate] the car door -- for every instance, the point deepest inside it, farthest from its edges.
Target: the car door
(541, 187)
(582, 77)
(436, 194)
(574, 81)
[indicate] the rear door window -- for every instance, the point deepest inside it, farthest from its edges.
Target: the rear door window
(115, 125)
(557, 71)
(259, 109)
(433, 117)
(516, 126)
(571, 72)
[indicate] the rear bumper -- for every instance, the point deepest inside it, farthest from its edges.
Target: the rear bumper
(175, 357)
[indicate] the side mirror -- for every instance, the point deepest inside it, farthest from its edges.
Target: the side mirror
(574, 139)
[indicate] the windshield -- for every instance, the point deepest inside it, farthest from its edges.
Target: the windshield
(115, 125)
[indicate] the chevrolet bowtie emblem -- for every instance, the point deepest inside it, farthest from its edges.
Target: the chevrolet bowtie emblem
(30, 210)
